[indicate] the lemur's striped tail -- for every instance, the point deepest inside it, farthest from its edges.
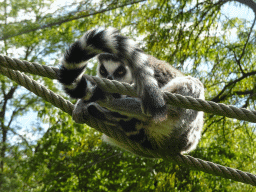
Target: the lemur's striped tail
(92, 43)
(109, 40)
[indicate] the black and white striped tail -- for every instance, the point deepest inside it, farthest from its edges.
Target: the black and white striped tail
(109, 40)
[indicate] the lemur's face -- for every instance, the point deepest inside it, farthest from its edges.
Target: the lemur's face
(114, 70)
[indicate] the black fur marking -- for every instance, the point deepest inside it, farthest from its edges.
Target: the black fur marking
(79, 91)
(96, 39)
(147, 144)
(162, 77)
(120, 72)
(116, 95)
(76, 54)
(129, 126)
(68, 76)
(108, 57)
(103, 71)
(140, 137)
(93, 111)
(139, 50)
(97, 95)
(118, 115)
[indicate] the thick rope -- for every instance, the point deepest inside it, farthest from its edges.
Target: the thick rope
(214, 169)
(38, 89)
(66, 106)
(127, 89)
(25, 66)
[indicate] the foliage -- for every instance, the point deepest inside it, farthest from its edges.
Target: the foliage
(55, 154)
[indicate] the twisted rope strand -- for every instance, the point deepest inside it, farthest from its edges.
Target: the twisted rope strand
(25, 66)
(127, 89)
(113, 86)
(67, 106)
(211, 107)
(214, 169)
(38, 89)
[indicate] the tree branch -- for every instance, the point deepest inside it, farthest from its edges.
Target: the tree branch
(81, 167)
(246, 92)
(7, 96)
(47, 25)
(238, 61)
(23, 138)
(246, 103)
(217, 98)
(19, 110)
(229, 94)
(212, 123)
(247, 40)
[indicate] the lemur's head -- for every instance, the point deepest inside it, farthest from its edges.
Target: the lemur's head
(113, 68)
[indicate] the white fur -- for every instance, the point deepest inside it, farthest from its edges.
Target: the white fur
(72, 65)
(159, 131)
(112, 66)
(149, 71)
(141, 59)
(89, 91)
(114, 142)
(74, 84)
(196, 135)
(130, 46)
(109, 37)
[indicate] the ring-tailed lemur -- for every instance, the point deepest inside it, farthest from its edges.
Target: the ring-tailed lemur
(120, 59)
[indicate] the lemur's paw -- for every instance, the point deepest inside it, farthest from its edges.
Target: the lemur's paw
(153, 104)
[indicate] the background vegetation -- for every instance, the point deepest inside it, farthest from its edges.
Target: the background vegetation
(204, 39)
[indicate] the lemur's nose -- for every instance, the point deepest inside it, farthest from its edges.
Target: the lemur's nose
(110, 77)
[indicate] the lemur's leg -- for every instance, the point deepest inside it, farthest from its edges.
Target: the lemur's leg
(188, 127)
(84, 110)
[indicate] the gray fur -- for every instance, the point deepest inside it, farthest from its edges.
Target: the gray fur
(179, 133)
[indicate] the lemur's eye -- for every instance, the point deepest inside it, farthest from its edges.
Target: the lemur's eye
(120, 72)
(103, 71)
